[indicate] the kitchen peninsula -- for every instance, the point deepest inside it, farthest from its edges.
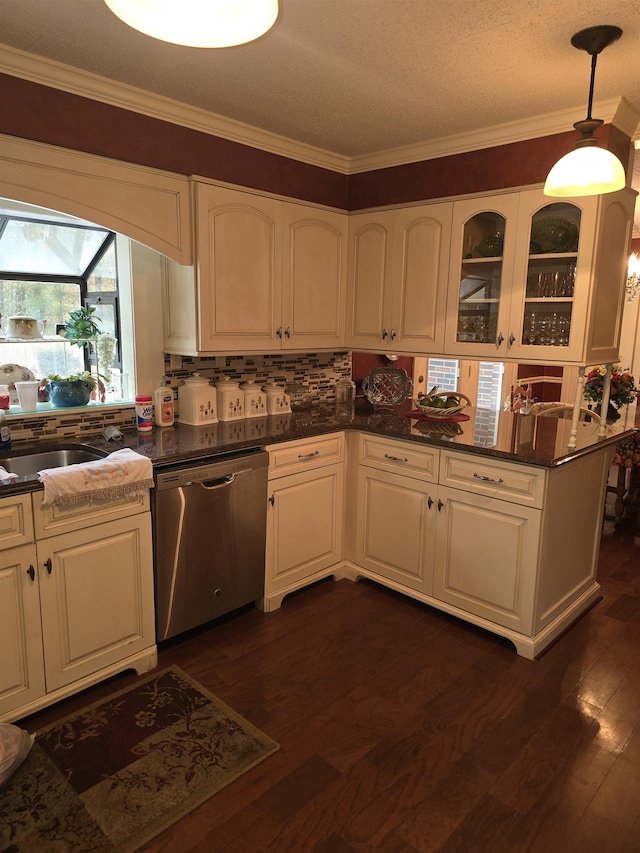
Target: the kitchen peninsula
(499, 527)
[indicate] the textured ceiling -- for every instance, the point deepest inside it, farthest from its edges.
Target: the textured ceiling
(355, 77)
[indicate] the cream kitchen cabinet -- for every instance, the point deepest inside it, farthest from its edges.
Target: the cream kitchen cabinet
(305, 515)
(270, 276)
(535, 280)
(78, 600)
(395, 526)
(509, 547)
(398, 264)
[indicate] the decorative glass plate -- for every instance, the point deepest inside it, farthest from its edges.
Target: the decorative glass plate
(553, 234)
(386, 387)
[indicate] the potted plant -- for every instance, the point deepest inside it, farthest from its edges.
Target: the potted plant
(622, 392)
(72, 390)
(82, 326)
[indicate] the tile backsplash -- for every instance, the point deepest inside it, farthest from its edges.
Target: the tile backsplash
(320, 371)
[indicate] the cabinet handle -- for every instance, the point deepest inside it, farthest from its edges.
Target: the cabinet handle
(48, 565)
(308, 455)
(395, 458)
(429, 501)
(279, 332)
(487, 479)
(440, 505)
(384, 334)
(512, 339)
(287, 332)
(393, 334)
(499, 339)
(31, 572)
(272, 500)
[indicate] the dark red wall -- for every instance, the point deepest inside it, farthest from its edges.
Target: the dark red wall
(45, 114)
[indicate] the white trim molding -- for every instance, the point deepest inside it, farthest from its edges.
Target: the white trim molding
(38, 69)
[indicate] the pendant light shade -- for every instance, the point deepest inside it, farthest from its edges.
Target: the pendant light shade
(198, 23)
(588, 169)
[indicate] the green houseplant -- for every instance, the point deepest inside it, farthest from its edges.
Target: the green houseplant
(81, 326)
(72, 390)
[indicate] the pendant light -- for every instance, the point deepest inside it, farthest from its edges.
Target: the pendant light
(198, 23)
(588, 169)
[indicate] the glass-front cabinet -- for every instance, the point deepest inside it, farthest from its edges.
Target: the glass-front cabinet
(537, 280)
(482, 259)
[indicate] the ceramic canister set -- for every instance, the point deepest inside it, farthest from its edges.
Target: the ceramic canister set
(202, 403)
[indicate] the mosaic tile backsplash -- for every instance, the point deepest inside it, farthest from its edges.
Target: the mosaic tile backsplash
(319, 371)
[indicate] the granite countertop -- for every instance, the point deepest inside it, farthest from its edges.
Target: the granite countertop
(526, 439)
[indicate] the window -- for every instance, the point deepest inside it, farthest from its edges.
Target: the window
(50, 265)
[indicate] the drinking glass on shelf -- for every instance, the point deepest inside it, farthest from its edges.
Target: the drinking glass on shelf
(545, 282)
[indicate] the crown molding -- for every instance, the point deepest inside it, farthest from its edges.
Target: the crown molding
(617, 111)
(47, 72)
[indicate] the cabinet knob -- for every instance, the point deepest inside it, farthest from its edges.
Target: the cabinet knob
(429, 501)
(272, 500)
(287, 332)
(440, 505)
(384, 334)
(31, 572)
(393, 334)
(48, 565)
(279, 332)
(499, 339)
(512, 339)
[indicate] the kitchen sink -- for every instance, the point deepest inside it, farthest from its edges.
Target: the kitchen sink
(29, 464)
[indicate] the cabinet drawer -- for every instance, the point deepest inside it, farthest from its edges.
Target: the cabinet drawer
(403, 457)
(303, 455)
(16, 521)
(520, 484)
(52, 520)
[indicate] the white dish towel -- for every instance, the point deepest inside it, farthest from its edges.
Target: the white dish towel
(121, 473)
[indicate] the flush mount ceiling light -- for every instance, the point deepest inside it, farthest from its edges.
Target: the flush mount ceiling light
(588, 169)
(198, 23)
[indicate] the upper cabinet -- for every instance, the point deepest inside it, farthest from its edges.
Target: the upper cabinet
(270, 276)
(398, 263)
(535, 280)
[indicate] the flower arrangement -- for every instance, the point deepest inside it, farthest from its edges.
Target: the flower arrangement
(623, 386)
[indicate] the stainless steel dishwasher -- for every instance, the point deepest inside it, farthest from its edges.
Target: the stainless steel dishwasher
(209, 539)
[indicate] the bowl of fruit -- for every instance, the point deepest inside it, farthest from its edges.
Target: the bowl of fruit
(444, 404)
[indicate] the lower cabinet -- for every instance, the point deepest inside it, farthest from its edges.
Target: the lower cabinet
(304, 515)
(75, 607)
(509, 547)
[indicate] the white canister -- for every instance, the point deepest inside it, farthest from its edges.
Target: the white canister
(197, 401)
(230, 400)
(255, 400)
(278, 401)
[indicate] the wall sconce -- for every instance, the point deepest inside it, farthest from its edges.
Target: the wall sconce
(632, 285)
(198, 23)
(588, 169)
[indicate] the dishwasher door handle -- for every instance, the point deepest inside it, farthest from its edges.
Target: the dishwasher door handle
(210, 485)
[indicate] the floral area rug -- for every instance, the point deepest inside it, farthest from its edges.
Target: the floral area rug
(115, 774)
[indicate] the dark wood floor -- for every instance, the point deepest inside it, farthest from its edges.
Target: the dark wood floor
(402, 729)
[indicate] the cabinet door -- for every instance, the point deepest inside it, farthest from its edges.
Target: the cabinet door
(96, 591)
(552, 278)
(21, 663)
(370, 280)
(304, 526)
(421, 266)
(314, 275)
(395, 528)
(238, 256)
(486, 557)
(483, 246)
